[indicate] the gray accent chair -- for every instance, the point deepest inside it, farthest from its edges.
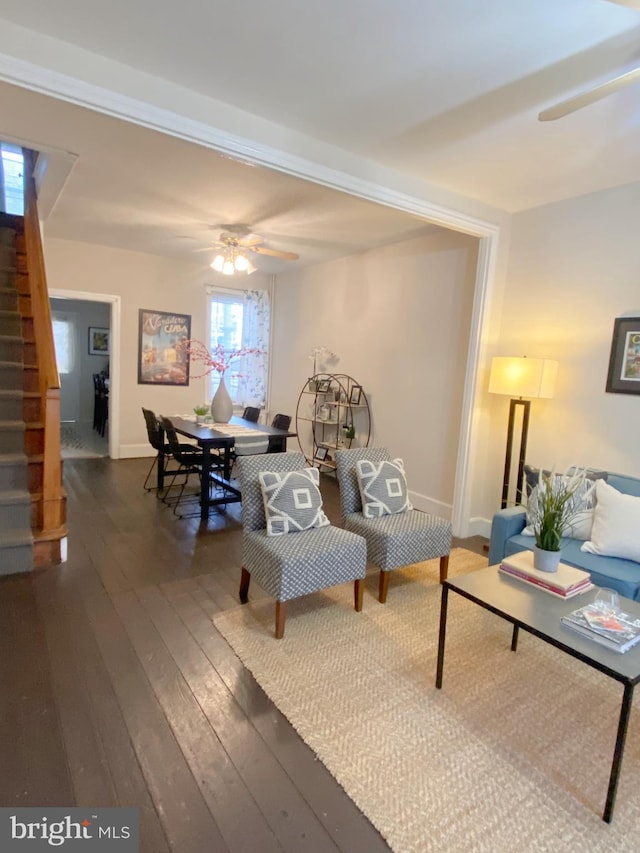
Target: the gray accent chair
(292, 564)
(394, 540)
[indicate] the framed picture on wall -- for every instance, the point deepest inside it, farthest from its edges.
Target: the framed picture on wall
(98, 341)
(161, 358)
(624, 362)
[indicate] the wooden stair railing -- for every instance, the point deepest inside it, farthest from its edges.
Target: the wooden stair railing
(48, 538)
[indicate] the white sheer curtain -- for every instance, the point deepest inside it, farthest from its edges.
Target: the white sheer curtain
(254, 369)
(238, 320)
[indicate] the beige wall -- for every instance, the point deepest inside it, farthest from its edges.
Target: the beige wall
(141, 281)
(398, 318)
(573, 267)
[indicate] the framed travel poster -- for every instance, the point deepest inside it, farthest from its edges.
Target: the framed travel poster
(161, 359)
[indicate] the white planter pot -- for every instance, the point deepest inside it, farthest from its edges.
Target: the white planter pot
(545, 561)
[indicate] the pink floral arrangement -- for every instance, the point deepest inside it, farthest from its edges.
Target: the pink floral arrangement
(218, 360)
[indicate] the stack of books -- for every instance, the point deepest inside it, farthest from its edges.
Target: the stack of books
(565, 583)
(614, 629)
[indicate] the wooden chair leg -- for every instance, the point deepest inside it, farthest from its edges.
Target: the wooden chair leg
(383, 587)
(444, 567)
(358, 594)
(245, 580)
(281, 616)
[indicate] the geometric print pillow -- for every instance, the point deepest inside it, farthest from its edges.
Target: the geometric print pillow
(581, 506)
(292, 501)
(383, 487)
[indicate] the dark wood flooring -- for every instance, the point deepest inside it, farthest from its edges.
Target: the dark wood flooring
(116, 689)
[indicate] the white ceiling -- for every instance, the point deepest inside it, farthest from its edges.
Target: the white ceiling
(447, 92)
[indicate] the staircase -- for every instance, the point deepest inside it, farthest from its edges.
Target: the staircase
(16, 540)
(32, 500)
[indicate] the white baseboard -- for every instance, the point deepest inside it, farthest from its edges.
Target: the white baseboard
(134, 451)
(430, 505)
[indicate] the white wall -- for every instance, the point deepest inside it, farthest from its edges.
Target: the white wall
(78, 385)
(398, 318)
(141, 281)
(573, 267)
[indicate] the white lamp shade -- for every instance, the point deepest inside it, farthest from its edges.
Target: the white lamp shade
(217, 263)
(523, 377)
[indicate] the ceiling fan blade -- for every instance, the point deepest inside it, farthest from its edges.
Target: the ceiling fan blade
(250, 240)
(274, 253)
(585, 98)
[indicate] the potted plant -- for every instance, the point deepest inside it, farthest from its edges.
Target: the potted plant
(552, 508)
(348, 432)
(201, 413)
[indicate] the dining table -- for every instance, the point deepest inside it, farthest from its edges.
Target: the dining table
(219, 438)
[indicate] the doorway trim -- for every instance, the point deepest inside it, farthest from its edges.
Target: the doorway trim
(114, 356)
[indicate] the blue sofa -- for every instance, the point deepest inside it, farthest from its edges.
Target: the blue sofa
(612, 572)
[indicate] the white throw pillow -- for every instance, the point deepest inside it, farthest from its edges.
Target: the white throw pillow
(292, 501)
(616, 524)
(383, 487)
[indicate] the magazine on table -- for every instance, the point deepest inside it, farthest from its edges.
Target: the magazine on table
(614, 629)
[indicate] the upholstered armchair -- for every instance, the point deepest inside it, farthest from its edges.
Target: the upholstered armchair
(396, 537)
(285, 560)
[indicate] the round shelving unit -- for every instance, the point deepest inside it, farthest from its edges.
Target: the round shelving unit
(329, 404)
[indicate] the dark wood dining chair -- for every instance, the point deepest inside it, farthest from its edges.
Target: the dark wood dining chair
(251, 413)
(276, 443)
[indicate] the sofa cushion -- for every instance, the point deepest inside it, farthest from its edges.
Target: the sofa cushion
(616, 524)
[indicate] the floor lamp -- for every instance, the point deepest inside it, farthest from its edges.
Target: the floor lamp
(522, 379)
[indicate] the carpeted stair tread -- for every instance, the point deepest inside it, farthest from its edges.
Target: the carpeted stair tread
(13, 538)
(15, 496)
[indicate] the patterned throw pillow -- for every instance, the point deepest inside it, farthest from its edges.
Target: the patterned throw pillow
(383, 487)
(292, 501)
(582, 504)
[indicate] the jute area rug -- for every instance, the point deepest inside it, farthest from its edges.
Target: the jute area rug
(513, 754)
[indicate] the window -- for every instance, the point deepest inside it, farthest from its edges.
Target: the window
(11, 179)
(63, 336)
(240, 320)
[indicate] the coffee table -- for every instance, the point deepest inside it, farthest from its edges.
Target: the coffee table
(538, 613)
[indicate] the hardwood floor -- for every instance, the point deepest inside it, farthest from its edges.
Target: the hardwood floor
(116, 689)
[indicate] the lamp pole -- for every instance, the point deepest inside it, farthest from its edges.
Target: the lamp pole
(526, 409)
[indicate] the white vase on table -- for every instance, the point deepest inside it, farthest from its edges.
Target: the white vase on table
(222, 404)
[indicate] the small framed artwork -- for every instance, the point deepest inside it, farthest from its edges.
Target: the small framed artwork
(323, 385)
(162, 358)
(624, 362)
(355, 394)
(98, 341)
(321, 453)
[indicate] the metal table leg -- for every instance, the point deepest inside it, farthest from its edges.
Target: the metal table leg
(625, 712)
(443, 629)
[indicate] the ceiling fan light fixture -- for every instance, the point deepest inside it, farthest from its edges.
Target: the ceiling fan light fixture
(241, 263)
(217, 263)
(228, 267)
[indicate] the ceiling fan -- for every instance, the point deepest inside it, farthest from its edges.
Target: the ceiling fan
(590, 96)
(235, 246)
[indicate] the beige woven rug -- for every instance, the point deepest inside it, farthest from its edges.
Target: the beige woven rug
(513, 754)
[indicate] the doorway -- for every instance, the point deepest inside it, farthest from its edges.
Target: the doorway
(86, 331)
